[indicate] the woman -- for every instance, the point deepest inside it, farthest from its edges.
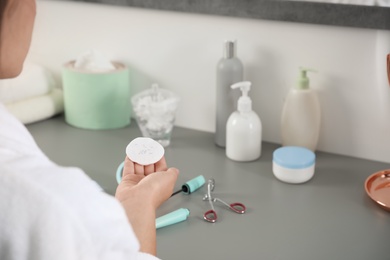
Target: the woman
(53, 212)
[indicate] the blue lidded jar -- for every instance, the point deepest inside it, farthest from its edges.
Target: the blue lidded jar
(293, 164)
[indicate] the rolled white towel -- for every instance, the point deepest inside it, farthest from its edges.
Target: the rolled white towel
(38, 108)
(34, 80)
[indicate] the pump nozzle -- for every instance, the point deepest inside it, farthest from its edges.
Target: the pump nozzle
(244, 86)
(303, 81)
(244, 102)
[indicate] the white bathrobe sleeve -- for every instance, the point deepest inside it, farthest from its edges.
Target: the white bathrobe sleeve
(52, 212)
(36, 224)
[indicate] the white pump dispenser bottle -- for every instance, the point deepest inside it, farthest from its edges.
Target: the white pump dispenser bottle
(243, 128)
(301, 115)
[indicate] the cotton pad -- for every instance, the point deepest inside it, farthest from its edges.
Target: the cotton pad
(144, 151)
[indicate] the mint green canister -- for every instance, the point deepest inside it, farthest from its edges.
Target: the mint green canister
(96, 100)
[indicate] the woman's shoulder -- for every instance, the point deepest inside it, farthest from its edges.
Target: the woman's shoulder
(61, 206)
(14, 136)
(30, 214)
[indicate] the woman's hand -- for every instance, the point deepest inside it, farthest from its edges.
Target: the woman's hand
(154, 183)
(142, 190)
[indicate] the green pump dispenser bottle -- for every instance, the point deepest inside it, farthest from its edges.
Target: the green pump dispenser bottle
(301, 115)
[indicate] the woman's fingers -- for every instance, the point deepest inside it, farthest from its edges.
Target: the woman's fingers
(149, 169)
(139, 169)
(157, 167)
(131, 167)
(128, 167)
(161, 165)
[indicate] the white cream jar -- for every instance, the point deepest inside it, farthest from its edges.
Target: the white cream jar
(293, 164)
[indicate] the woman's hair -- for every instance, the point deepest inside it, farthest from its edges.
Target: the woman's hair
(2, 9)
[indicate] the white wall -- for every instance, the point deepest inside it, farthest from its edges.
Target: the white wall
(180, 51)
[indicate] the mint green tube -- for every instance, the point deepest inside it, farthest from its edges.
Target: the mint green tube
(174, 217)
(194, 184)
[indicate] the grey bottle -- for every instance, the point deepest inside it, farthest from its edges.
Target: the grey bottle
(229, 71)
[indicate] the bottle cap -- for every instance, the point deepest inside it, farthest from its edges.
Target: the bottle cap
(229, 50)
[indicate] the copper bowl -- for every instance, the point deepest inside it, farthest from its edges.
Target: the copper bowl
(377, 187)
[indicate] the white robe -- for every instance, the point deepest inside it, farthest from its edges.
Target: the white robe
(51, 212)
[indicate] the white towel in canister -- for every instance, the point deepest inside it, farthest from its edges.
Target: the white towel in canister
(34, 80)
(38, 108)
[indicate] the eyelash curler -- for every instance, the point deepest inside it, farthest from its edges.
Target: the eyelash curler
(211, 215)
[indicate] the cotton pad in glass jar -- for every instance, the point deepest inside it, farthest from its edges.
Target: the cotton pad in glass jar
(144, 151)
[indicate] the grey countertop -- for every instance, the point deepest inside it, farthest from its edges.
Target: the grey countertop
(329, 217)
